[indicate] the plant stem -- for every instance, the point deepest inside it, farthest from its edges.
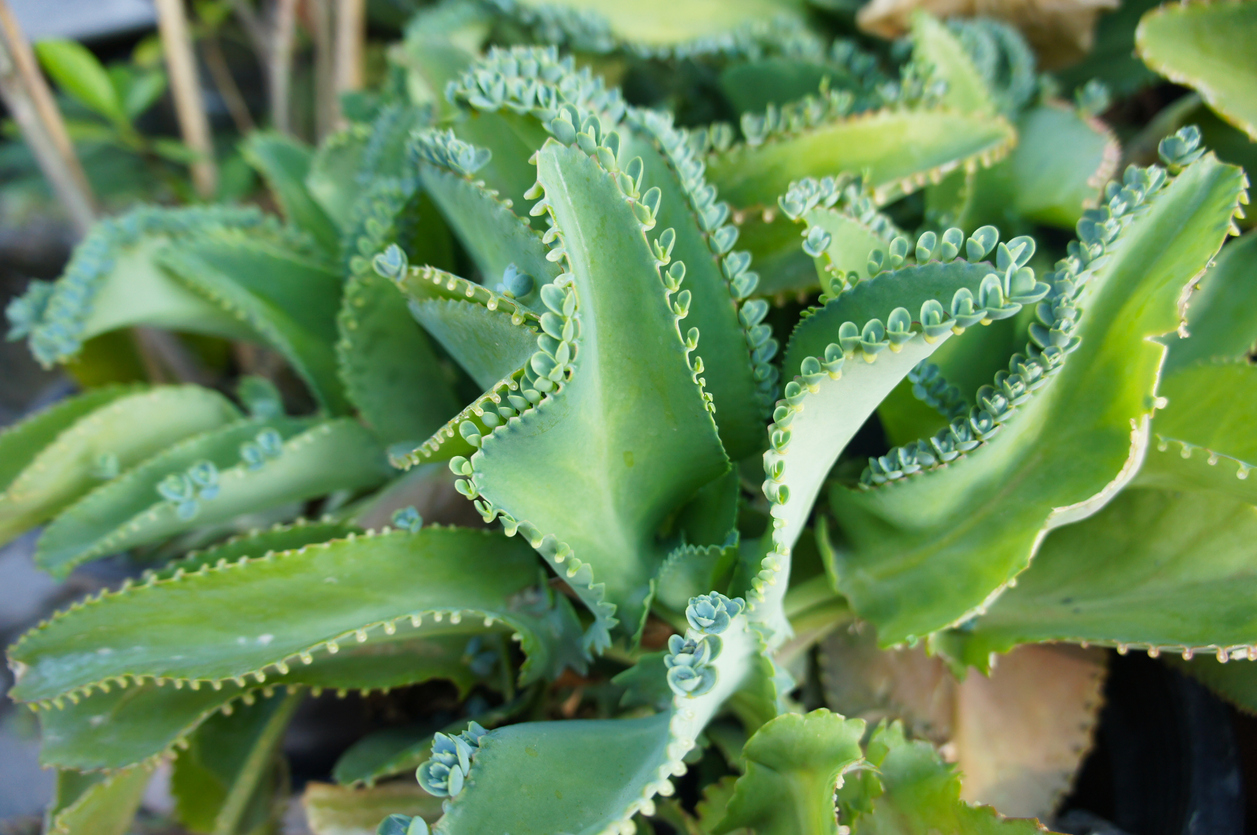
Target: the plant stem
(185, 86)
(25, 93)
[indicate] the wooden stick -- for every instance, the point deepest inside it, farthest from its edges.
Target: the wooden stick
(351, 34)
(279, 63)
(326, 100)
(185, 86)
(221, 75)
(26, 94)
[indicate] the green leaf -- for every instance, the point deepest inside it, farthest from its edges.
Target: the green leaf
(488, 334)
(142, 721)
(387, 365)
(77, 71)
(487, 225)
(900, 150)
(126, 429)
(937, 46)
(735, 346)
(657, 24)
(1207, 47)
(285, 165)
(249, 473)
(1061, 161)
(793, 765)
(639, 413)
(226, 782)
(1203, 439)
(918, 794)
(287, 299)
(96, 804)
(333, 810)
(257, 616)
(335, 179)
(932, 549)
(1219, 317)
(839, 383)
(1234, 682)
(590, 776)
(1154, 569)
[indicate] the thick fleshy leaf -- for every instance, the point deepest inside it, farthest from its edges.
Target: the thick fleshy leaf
(258, 616)
(627, 431)
(96, 804)
(1155, 569)
(799, 758)
(388, 367)
(227, 781)
(587, 777)
(113, 281)
(935, 547)
(1235, 681)
(138, 722)
(488, 334)
(900, 150)
(919, 794)
(335, 810)
(938, 46)
(285, 164)
(486, 223)
(246, 466)
(1207, 46)
(657, 25)
(843, 374)
(1220, 323)
(289, 300)
(1017, 735)
(103, 442)
(734, 346)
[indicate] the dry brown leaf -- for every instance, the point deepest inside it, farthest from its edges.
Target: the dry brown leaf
(1018, 736)
(1061, 31)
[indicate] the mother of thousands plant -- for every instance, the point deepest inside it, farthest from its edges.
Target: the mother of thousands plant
(1064, 459)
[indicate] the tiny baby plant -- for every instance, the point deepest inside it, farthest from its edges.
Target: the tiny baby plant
(728, 405)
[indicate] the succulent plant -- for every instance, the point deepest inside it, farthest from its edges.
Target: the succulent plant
(1065, 454)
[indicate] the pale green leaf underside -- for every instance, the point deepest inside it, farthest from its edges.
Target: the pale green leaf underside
(1204, 439)
(793, 765)
(22, 442)
(488, 226)
(332, 810)
(387, 365)
(127, 430)
(628, 438)
(1153, 569)
(929, 549)
(134, 723)
(266, 612)
(900, 150)
(97, 804)
(1207, 46)
(290, 301)
(1220, 319)
(661, 24)
(128, 511)
(937, 46)
(485, 342)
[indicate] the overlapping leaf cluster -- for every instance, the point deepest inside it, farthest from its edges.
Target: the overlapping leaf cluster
(1066, 454)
